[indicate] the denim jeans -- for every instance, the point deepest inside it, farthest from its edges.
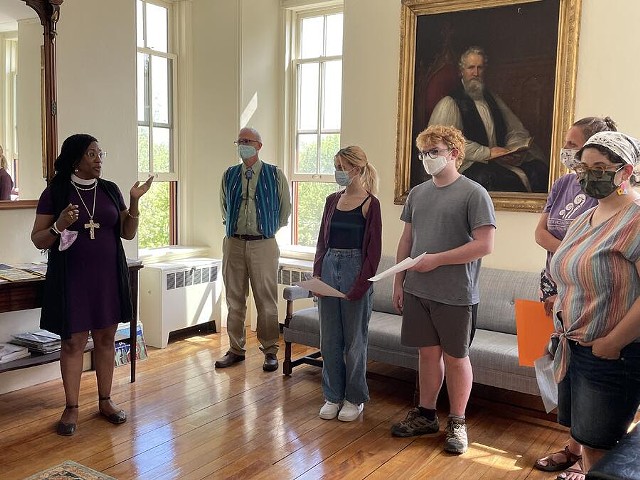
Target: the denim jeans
(344, 326)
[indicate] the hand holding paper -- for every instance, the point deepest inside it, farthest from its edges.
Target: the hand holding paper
(317, 286)
(398, 267)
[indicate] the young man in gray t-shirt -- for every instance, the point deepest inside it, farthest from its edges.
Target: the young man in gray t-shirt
(452, 219)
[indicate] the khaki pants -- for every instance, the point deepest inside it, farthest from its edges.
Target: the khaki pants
(254, 261)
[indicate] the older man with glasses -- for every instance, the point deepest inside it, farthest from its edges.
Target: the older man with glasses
(255, 203)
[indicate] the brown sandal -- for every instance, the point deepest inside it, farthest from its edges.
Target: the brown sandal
(553, 466)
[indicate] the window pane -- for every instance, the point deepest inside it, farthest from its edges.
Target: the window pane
(309, 198)
(161, 75)
(140, 23)
(141, 75)
(332, 95)
(155, 209)
(307, 149)
(308, 105)
(329, 146)
(157, 28)
(143, 149)
(334, 35)
(161, 150)
(312, 37)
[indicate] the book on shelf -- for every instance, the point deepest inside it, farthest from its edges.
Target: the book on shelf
(41, 341)
(9, 352)
(13, 274)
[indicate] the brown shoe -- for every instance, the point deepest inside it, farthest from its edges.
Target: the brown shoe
(229, 359)
(270, 362)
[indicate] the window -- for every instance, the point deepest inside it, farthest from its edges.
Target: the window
(156, 130)
(315, 117)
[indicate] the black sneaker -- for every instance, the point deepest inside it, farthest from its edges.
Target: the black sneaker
(415, 424)
(456, 436)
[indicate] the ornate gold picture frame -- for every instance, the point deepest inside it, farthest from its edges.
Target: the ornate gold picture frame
(531, 47)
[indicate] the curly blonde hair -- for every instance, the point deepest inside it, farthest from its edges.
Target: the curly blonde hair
(450, 136)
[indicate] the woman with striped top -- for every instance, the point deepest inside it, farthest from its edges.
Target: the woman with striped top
(597, 314)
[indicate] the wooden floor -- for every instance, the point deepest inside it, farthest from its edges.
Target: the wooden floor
(188, 420)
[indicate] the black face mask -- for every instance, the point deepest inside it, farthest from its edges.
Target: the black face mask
(598, 185)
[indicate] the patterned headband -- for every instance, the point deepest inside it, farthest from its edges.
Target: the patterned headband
(624, 146)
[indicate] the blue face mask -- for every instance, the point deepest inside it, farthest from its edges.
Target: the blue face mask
(342, 178)
(246, 151)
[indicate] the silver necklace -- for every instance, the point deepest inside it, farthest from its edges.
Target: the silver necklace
(82, 184)
(91, 226)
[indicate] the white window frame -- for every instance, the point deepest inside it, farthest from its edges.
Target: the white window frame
(294, 17)
(172, 175)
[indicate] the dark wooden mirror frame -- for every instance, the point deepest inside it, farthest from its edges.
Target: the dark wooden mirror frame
(49, 13)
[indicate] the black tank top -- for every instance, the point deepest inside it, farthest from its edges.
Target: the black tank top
(347, 228)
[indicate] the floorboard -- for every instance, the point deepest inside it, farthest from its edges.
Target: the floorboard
(188, 420)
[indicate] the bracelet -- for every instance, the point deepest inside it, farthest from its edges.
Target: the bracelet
(54, 230)
(135, 217)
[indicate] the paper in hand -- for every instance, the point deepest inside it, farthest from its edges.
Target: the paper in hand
(317, 286)
(546, 382)
(398, 267)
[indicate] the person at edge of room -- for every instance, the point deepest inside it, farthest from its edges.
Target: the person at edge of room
(255, 203)
(438, 296)
(80, 220)
(347, 254)
(596, 343)
(565, 203)
(6, 182)
(491, 131)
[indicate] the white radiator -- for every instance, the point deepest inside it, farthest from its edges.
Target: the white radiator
(178, 295)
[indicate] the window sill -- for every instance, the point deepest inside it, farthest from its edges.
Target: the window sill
(171, 253)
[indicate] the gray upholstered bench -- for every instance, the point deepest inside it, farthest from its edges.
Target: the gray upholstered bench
(494, 351)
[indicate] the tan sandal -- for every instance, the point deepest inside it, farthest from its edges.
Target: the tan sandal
(553, 466)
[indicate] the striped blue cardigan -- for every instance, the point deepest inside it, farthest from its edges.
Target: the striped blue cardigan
(267, 199)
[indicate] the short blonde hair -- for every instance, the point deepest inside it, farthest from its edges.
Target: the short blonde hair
(450, 136)
(355, 157)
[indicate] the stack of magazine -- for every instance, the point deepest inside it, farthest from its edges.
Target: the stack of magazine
(9, 352)
(40, 341)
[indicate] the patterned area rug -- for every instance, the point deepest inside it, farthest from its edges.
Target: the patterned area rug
(69, 471)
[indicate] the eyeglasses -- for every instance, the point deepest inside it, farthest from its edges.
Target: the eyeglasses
(598, 172)
(243, 141)
(433, 153)
(101, 154)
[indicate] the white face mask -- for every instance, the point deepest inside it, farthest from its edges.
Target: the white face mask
(568, 157)
(434, 166)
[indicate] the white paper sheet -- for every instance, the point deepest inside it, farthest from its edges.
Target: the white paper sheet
(398, 267)
(317, 286)
(546, 382)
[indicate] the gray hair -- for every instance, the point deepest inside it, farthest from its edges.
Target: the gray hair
(473, 50)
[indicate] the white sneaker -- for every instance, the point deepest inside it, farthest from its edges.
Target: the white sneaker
(329, 410)
(349, 411)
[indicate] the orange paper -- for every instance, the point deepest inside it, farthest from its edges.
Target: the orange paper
(534, 329)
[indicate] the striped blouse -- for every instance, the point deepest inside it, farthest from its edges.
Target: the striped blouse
(594, 268)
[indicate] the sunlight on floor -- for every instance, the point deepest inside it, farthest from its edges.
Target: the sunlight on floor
(493, 457)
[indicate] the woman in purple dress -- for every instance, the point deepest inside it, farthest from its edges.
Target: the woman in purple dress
(80, 219)
(565, 203)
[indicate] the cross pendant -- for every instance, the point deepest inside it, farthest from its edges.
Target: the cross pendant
(92, 226)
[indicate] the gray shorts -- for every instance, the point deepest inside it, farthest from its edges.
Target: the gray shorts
(426, 323)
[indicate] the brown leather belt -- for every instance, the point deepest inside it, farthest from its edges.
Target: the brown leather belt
(249, 238)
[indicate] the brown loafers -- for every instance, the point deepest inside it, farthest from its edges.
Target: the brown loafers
(229, 359)
(270, 362)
